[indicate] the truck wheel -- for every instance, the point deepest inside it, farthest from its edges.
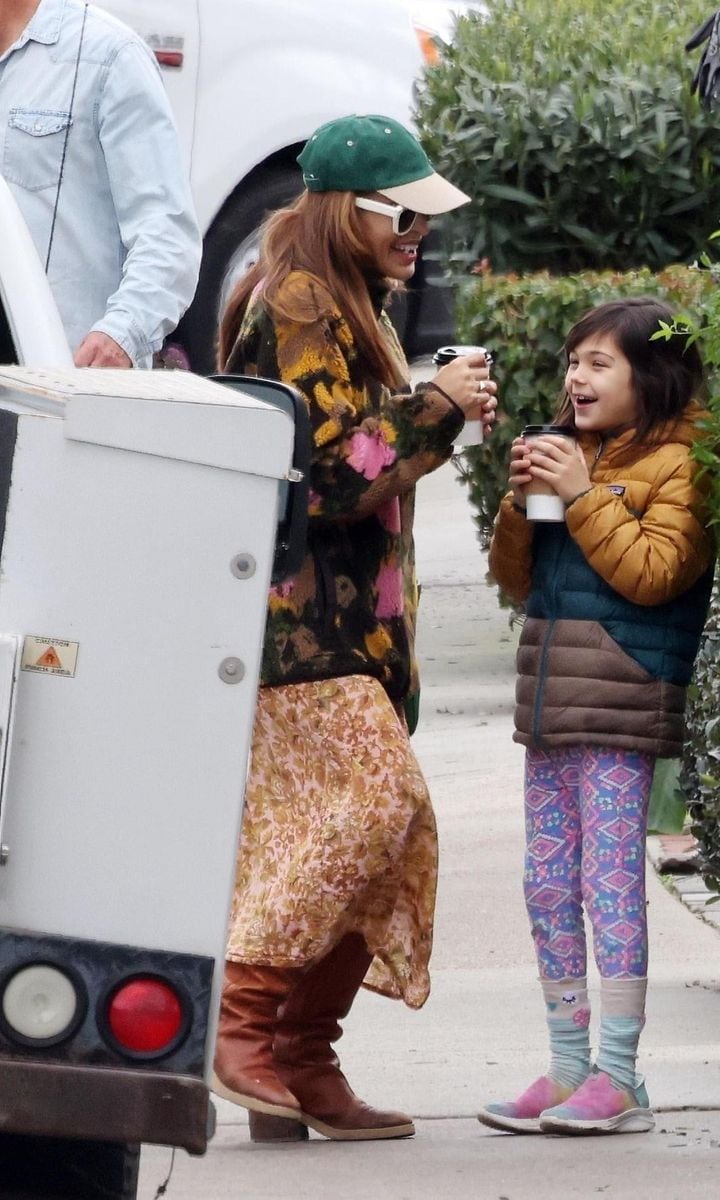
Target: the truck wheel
(231, 247)
(60, 1169)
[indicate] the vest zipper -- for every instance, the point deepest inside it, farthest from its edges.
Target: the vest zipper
(598, 452)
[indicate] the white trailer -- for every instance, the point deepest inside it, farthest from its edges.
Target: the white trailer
(138, 519)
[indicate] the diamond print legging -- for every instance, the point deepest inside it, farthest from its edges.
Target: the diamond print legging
(585, 823)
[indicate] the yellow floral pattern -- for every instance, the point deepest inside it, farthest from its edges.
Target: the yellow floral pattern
(338, 835)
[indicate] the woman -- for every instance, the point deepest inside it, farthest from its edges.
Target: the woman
(337, 867)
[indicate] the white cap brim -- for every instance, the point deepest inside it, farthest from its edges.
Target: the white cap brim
(431, 196)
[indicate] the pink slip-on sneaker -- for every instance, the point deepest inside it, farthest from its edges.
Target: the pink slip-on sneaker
(601, 1106)
(523, 1115)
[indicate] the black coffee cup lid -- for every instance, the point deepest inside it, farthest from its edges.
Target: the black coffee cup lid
(560, 430)
(448, 353)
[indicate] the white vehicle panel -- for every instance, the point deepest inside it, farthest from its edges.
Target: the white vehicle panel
(260, 75)
(25, 293)
(170, 25)
(124, 780)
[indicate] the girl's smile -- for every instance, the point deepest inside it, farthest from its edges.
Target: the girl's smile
(599, 383)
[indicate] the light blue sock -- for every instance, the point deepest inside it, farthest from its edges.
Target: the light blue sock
(619, 1037)
(568, 1019)
(621, 1022)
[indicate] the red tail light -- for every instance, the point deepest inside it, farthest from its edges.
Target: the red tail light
(145, 1016)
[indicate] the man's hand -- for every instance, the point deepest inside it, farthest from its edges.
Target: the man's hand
(100, 350)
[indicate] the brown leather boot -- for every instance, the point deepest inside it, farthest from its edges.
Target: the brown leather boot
(244, 1067)
(305, 1061)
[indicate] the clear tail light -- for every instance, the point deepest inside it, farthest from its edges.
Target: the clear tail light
(41, 1004)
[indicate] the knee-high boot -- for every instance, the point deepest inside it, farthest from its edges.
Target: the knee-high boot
(244, 1067)
(304, 1058)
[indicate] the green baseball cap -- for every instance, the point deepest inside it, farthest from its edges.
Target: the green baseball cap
(376, 154)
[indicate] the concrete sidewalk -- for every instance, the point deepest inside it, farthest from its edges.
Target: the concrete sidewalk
(481, 1035)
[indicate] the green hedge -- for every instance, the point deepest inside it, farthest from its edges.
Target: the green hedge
(701, 761)
(572, 127)
(700, 777)
(524, 320)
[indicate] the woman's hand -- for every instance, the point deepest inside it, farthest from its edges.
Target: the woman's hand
(519, 475)
(561, 463)
(488, 408)
(467, 381)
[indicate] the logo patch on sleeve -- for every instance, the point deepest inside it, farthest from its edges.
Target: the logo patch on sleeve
(617, 489)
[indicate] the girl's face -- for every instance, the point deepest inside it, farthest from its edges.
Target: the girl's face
(394, 254)
(598, 380)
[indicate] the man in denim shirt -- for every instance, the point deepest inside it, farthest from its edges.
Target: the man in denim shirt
(126, 249)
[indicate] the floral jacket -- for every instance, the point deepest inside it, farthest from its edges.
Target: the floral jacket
(351, 608)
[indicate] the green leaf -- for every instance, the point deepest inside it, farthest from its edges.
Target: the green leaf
(667, 803)
(501, 191)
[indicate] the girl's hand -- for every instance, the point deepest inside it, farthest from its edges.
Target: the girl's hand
(560, 462)
(465, 379)
(519, 475)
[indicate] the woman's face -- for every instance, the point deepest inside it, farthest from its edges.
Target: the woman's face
(394, 254)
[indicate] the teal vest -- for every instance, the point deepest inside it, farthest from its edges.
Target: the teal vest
(662, 638)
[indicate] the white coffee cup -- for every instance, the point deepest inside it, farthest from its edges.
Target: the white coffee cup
(471, 433)
(542, 502)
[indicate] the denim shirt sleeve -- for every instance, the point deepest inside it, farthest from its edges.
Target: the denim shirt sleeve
(154, 209)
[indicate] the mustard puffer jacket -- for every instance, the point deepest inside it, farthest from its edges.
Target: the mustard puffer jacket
(616, 597)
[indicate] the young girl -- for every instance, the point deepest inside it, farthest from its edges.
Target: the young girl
(337, 867)
(616, 597)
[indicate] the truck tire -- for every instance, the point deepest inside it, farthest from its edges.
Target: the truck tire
(231, 246)
(60, 1169)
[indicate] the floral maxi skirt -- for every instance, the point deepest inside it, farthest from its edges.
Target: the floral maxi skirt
(338, 835)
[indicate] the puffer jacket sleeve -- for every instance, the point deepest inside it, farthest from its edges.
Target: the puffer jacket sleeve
(652, 558)
(361, 459)
(510, 558)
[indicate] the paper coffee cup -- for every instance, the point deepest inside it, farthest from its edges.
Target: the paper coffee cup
(542, 503)
(471, 433)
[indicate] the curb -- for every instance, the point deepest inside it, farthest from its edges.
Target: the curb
(672, 855)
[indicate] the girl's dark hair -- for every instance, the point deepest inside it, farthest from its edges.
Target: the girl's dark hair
(666, 375)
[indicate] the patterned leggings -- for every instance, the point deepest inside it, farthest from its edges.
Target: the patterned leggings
(586, 821)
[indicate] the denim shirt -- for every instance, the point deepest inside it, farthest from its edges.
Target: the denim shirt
(126, 248)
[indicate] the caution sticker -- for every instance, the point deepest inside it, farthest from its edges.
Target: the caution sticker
(49, 656)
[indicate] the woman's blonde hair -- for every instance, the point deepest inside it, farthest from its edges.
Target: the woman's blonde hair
(320, 233)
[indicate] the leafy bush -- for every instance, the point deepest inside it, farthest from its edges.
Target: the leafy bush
(524, 320)
(573, 128)
(700, 775)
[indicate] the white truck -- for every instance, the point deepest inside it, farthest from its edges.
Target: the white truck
(249, 80)
(138, 515)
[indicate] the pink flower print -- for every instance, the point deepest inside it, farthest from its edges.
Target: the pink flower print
(581, 1018)
(283, 590)
(389, 584)
(370, 454)
(388, 515)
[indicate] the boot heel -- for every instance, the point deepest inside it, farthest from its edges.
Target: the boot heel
(266, 1128)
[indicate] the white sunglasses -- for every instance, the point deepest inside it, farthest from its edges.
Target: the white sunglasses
(403, 219)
